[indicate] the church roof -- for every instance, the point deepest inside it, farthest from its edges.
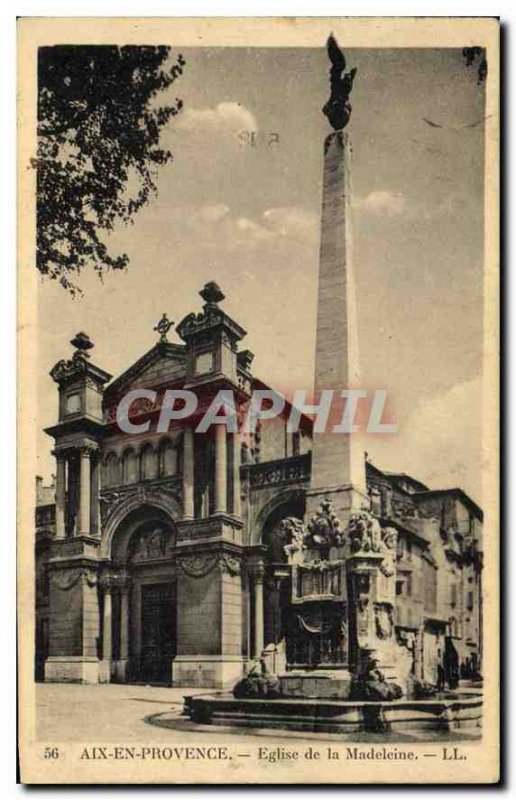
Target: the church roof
(175, 354)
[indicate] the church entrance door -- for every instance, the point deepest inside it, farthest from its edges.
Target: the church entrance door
(158, 630)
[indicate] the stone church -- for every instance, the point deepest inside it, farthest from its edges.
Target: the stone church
(160, 558)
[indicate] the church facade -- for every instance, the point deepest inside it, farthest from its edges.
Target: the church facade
(160, 556)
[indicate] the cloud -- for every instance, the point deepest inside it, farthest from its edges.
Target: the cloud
(212, 214)
(227, 117)
(386, 203)
(440, 442)
(382, 201)
(292, 222)
(217, 225)
(448, 428)
(252, 231)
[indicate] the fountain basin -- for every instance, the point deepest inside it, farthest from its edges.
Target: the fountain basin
(463, 713)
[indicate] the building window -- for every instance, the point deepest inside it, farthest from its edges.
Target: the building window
(130, 467)
(409, 585)
(295, 443)
(149, 463)
(470, 601)
(111, 476)
(453, 595)
(204, 476)
(168, 459)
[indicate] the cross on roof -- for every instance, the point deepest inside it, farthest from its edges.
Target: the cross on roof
(163, 327)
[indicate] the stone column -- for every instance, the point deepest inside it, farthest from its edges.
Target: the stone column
(95, 495)
(60, 495)
(220, 469)
(246, 616)
(85, 491)
(72, 500)
(124, 622)
(124, 630)
(188, 474)
(237, 500)
(106, 634)
(259, 575)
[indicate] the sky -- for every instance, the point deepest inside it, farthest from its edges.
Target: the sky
(240, 204)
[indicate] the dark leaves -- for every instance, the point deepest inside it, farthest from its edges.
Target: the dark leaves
(98, 149)
(476, 56)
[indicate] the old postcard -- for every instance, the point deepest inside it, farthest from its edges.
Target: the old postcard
(258, 384)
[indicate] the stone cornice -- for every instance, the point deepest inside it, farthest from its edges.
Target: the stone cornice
(211, 318)
(209, 528)
(78, 366)
(75, 546)
(209, 546)
(82, 424)
(73, 563)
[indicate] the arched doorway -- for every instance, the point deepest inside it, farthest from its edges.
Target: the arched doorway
(277, 589)
(142, 584)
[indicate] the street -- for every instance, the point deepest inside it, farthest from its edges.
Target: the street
(148, 714)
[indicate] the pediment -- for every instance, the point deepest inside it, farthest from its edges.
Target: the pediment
(163, 363)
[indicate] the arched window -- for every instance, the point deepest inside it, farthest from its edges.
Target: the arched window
(149, 463)
(130, 467)
(111, 471)
(168, 458)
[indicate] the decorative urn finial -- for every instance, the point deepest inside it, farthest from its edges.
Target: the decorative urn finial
(163, 327)
(81, 341)
(212, 294)
(338, 107)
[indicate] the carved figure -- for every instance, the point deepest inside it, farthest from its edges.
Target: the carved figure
(364, 533)
(325, 529)
(338, 107)
(390, 540)
(293, 530)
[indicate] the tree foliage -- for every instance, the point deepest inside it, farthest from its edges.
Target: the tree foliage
(99, 126)
(476, 56)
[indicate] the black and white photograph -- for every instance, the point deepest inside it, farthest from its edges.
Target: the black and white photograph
(259, 400)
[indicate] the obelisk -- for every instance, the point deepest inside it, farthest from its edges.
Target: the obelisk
(338, 463)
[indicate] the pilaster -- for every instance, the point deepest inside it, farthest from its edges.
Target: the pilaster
(73, 621)
(209, 616)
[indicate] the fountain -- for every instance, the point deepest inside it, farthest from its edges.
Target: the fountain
(346, 670)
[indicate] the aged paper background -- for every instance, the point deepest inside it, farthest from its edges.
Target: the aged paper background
(482, 764)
